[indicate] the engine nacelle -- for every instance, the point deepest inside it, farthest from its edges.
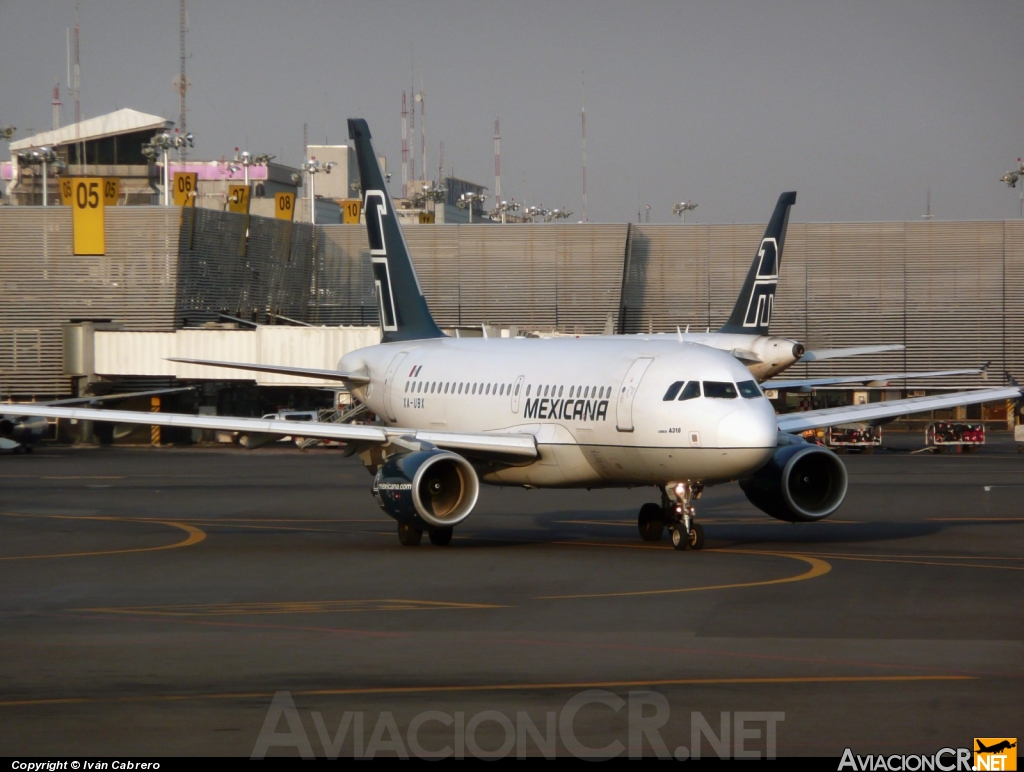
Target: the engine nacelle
(800, 483)
(25, 429)
(427, 488)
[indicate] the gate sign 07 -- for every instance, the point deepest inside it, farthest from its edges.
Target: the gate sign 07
(186, 188)
(87, 197)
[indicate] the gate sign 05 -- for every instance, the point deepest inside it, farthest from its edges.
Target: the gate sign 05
(87, 197)
(186, 188)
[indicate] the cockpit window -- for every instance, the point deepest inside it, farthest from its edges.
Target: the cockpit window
(672, 391)
(719, 390)
(748, 390)
(692, 391)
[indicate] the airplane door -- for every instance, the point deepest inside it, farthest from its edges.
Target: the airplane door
(624, 405)
(515, 393)
(389, 379)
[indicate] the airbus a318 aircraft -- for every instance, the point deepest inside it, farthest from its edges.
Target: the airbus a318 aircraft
(564, 412)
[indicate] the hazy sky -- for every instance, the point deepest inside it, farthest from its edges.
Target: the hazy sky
(859, 106)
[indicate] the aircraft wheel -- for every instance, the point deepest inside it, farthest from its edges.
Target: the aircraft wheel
(408, 535)
(441, 537)
(679, 540)
(651, 522)
(696, 536)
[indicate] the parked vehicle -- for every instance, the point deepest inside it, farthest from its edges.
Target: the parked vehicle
(962, 436)
(862, 437)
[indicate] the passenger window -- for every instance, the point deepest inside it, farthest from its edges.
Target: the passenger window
(560, 390)
(749, 390)
(517, 391)
(691, 391)
(570, 391)
(673, 390)
(528, 390)
(719, 390)
(433, 385)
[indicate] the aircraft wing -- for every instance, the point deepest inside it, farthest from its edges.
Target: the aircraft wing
(810, 383)
(115, 397)
(482, 444)
(837, 353)
(833, 416)
(302, 372)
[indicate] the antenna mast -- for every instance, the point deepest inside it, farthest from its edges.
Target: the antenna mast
(405, 149)
(56, 105)
(497, 163)
(182, 81)
(422, 98)
(583, 115)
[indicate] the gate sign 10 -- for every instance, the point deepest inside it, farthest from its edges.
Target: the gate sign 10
(186, 188)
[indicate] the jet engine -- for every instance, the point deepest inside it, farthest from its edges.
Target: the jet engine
(427, 488)
(800, 483)
(25, 430)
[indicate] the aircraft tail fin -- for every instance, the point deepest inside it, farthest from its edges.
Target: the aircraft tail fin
(404, 314)
(753, 310)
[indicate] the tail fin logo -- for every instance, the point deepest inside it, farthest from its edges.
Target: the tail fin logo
(762, 294)
(376, 207)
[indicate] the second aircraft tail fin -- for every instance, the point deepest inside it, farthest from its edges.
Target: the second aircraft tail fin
(753, 310)
(404, 314)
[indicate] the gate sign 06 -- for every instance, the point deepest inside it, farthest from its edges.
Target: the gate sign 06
(186, 188)
(87, 197)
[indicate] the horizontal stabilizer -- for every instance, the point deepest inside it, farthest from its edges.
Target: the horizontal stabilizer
(838, 353)
(301, 372)
(833, 416)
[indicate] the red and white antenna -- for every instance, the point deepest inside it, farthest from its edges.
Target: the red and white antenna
(422, 99)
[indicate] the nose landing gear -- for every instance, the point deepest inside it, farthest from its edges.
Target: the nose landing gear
(677, 513)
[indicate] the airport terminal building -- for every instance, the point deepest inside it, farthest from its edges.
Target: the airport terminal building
(948, 291)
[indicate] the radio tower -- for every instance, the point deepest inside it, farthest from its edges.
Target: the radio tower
(56, 106)
(182, 81)
(412, 136)
(497, 163)
(422, 99)
(405, 149)
(440, 165)
(583, 101)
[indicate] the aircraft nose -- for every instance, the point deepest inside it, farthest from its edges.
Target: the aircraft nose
(751, 425)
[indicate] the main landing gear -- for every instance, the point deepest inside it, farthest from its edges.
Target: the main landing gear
(410, 536)
(677, 513)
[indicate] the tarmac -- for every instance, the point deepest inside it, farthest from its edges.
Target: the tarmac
(181, 601)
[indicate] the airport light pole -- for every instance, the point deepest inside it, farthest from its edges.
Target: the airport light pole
(533, 212)
(682, 208)
(558, 214)
(42, 157)
(1011, 178)
(162, 144)
(313, 167)
(466, 201)
(247, 159)
(501, 210)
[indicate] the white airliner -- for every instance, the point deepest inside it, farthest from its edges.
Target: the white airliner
(566, 413)
(747, 336)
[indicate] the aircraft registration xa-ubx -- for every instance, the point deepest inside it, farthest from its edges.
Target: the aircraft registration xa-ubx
(561, 413)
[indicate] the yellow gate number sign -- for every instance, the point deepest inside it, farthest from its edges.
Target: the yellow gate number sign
(87, 197)
(350, 210)
(426, 218)
(111, 190)
(284, 206)
(186, 188)
(238, 199)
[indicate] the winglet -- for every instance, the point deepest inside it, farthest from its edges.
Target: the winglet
(753, 310)
(404, 314)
